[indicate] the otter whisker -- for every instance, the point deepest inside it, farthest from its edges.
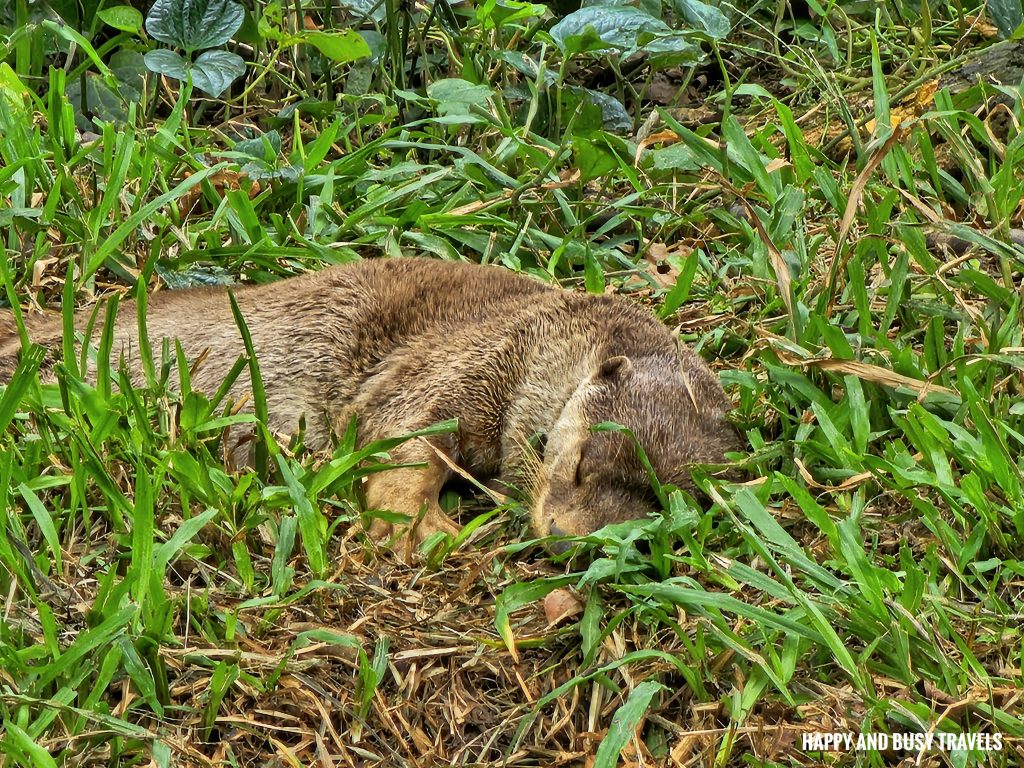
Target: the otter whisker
(530, 466)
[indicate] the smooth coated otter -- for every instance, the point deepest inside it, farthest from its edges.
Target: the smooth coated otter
(405, 343)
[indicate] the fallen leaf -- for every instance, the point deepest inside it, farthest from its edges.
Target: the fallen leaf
(224, 180)
(659, 266)
(852, 203)
(879, 375)
(661, 137)
(925, 95)
(560, 605)
(779, 266)
(982, 26)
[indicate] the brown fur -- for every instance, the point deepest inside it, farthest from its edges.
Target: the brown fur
(405, 343)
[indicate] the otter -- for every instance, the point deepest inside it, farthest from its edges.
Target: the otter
(403, 344)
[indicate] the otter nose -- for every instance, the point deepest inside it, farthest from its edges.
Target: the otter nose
(558, 547)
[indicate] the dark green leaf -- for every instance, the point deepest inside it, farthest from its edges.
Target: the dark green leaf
(129, 67)
(593, 159)
(603, 28)
(455, 96)
(614, 117)
(214, 71)
(677, 157)
(77, 13)
(266, 147)
(101, 102)
(1007, 14)
(165, 62)
(194, 24)
(669, 50)
(371, 9)
(703, 17)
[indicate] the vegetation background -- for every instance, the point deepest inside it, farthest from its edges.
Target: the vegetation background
(824, 198)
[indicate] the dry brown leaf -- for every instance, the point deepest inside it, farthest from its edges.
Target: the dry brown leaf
(922, 207)
(634, 753)
(853, 202)
(661, 137)
(920, 101)
(659, 266)
(847, 485)
(857, 190)
(560, 605)
(222, 181)
(938, 697)
(565, 179)
(925, 95)
(496, 496)
(666, 136)
(38, 269)
(662, 89)
(683, 749)
(779, 265)
(879, 375)
(982, 26)
(657, 252)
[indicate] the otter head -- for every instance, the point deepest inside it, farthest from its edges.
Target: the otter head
(675, 408)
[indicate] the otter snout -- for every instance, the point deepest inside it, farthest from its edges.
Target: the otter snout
(558, 547)
(566, 508)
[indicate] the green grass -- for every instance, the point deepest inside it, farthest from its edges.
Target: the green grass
(160, 608)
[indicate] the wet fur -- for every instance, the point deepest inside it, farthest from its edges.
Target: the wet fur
(405, 343)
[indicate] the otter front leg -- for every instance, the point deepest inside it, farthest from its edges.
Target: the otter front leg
(411, 491)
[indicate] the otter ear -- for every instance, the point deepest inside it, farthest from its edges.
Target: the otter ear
(615, 367)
